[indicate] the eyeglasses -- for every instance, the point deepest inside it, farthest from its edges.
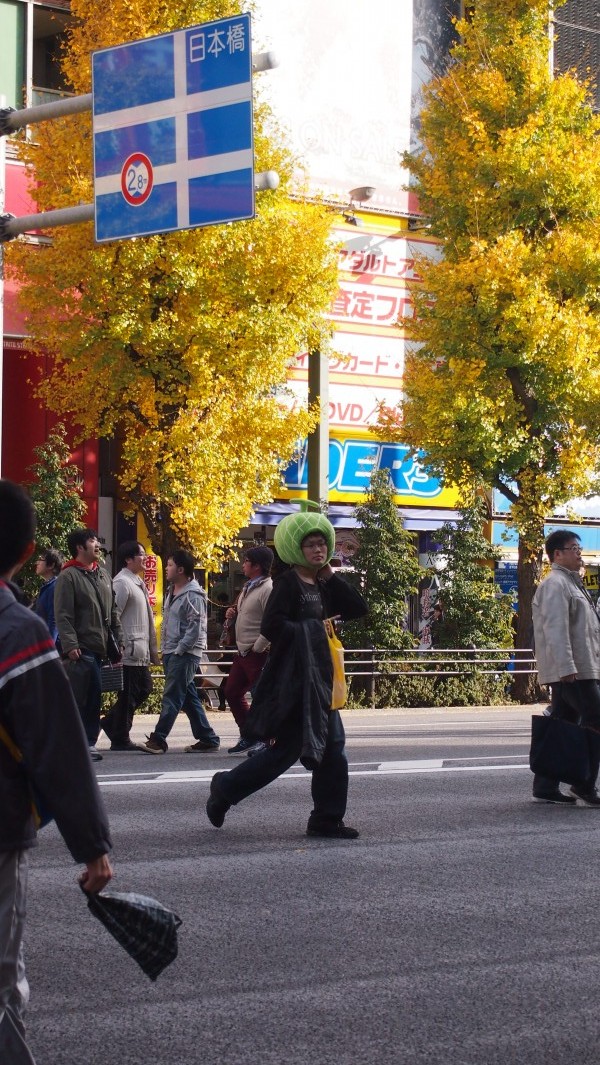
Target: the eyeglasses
(312, 544)
(573, 547)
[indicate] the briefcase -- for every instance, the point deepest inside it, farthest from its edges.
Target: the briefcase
(561, 750)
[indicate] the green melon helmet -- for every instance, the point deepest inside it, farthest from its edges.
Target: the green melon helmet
(292, 529)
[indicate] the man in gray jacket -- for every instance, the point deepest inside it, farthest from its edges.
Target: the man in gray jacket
(38, 720)
(139, 634)
(183, 639)
(567, 645)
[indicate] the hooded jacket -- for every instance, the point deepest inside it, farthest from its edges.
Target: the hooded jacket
(566, 628)
(184, 621)
(38, 712)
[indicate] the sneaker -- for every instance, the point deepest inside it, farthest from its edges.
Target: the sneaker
(95, 754)
(154, 745)
(240, 748)
(588, 798)
(216, 805)
(129, 746)
(331, 830)
(202, 747)
(256, 748)
(557, 798)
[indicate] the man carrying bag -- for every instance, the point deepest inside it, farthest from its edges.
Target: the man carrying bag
(567, 643)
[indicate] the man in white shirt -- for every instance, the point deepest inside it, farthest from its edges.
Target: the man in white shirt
(137, 622)
(567, 646)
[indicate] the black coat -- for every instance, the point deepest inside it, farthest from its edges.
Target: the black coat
(297, 679)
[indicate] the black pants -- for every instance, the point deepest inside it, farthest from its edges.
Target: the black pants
(577, 701)
(329, 785)
(137, 685)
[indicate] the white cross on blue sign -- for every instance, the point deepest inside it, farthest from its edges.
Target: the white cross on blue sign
(173, 146)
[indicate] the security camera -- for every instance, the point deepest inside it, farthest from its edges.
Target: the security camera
(364, 192)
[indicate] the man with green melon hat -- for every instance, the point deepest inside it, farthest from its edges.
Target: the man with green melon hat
(293, 698)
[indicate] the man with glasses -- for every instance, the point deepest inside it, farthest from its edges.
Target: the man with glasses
(137, 622)
(567, 645)
(48, 567)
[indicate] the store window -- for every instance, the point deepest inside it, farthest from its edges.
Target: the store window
(12, 51)
(48, 36)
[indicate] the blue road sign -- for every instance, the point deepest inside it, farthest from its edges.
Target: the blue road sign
(173, 143)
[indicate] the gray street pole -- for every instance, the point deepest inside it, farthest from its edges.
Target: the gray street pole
(318, 440)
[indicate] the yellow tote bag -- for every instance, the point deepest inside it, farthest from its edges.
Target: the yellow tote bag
(339, 693)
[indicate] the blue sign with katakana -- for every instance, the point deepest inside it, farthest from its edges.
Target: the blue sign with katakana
(173, 141)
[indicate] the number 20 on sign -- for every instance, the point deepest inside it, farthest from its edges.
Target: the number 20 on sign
(137, 179)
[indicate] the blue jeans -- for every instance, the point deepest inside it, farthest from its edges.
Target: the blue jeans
(180, 694)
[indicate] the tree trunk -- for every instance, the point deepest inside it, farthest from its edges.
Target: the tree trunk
(163, 537)
(529, 570)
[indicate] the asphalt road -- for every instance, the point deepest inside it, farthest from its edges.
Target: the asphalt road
(462, 927)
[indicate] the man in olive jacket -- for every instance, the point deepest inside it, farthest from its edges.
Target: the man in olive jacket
(84, 607)
(39, 719)
(567, 645)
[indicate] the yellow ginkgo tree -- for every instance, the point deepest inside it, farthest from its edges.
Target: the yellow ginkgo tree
(175, 345)
(502, 384)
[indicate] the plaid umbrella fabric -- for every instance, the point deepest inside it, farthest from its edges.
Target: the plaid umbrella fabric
(144, 927)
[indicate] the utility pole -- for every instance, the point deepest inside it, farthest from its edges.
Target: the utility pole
(318, 441)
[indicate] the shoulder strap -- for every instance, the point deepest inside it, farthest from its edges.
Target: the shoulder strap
(104, 617)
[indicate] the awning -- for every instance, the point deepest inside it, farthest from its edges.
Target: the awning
(415, 519)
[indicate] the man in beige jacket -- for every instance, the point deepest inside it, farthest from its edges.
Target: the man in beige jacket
(567, 645)
(253, 648)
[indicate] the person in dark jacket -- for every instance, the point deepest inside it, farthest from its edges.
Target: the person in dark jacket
(292, 700)
(39, 720)
(48, 567)
(85, 609)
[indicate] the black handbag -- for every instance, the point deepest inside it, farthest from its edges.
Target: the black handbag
(111, 677)
(561, 750)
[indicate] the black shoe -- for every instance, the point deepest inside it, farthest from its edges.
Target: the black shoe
(589, 798)
(95, 754)
(331, 830)
(202, 747)
(216, 805)
(129, 746)
(105, 727)
(240, 748)
(557, 798)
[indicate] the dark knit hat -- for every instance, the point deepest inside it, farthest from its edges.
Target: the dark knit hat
(260, 556)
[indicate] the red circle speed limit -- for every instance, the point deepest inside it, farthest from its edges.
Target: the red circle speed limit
(137, 179)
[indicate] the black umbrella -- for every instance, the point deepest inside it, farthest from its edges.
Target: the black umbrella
(144, 927)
